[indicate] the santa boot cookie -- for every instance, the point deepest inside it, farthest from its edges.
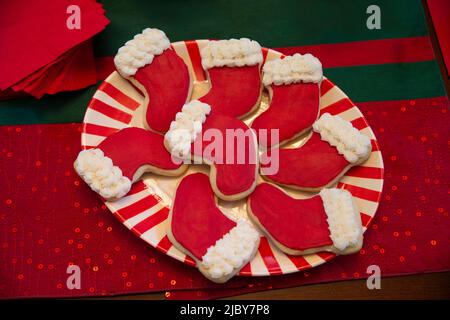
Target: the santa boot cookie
(233, 69)
(121, 159)
(219, 246)
(293, 85)
(159, 73)
(224, 143)
(329, 221)
(334, 147)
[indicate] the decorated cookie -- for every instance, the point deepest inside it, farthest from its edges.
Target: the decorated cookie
(122, 158)
(329, 221)
(333, 148)
(225, 143)
(219, 245)
(233, 69)
(293, 85)
(159, 73)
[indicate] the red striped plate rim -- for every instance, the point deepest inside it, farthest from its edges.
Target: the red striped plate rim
(145, 213)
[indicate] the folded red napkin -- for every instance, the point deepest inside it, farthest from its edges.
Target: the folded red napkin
(76, 70)
(42, 52)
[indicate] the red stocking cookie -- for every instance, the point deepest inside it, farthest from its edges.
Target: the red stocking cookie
(121, 159)
(224, 143)
(293, 84)
(333, 148)
(219, 246)
(329, 221)
(159, 73)
(233, 68)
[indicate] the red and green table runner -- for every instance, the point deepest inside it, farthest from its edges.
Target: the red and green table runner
(50, 219)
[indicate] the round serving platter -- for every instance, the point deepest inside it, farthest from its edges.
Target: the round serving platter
(117, 104)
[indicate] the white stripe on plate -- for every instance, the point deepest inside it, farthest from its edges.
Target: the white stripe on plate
(331, 97)
(130, 223)
(182, 51)
(257, 265)
(201, 44)
(272, 55)
(370, 184)
(155, 234)
(350, 114)
(368, 132)
(314, 259)
(105, 98)
(95, 117)
(127, 200)
(124, 86)
(366, 206)
(286, 265)
(175, 253)
(374, 160)
(91, 140)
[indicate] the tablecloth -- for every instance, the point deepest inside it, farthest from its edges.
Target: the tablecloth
(49, 219)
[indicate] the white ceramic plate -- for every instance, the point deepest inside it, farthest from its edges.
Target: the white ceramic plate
(116, 105)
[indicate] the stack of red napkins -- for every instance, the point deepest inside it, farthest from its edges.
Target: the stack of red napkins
(46, 46)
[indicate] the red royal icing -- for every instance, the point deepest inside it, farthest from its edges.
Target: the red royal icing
(293, 109)
(233, 177)
(313, 165)
(167, 83)
(298, 224)
(234, 90)
(197, 223)
(131, 148)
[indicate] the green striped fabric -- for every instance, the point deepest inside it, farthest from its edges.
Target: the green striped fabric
(273, 24)
(395, 81)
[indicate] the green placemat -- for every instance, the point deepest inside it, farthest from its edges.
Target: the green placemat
(273, 24)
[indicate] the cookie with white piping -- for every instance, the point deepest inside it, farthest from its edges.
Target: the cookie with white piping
(224, 143)
(219, 246)
(233, 70)
(293, 83)
(153, 67)
(333, 148)
(329, 221)
(122, 158)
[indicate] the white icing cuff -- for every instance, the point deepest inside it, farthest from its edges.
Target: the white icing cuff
(185, 128)
(140, 51)
(292, 69)
(231, 53)
(339, 133)
(343, 218)
(101, 175)
(232, 251)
